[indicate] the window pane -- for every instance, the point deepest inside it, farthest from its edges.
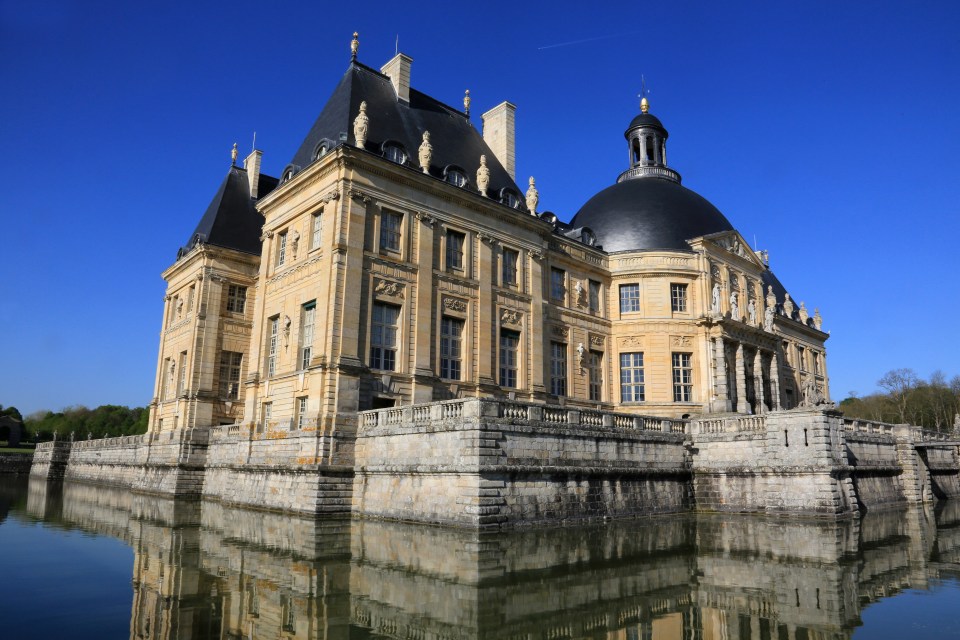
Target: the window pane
(631, 377)
(629, 298)
(383, 336)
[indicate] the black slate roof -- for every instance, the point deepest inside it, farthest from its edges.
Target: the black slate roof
(455, 141)
(649, 213)
(231, 220)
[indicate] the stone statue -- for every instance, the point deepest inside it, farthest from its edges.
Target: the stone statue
(360, 126)
(735, 305)
(466, 103)
(752, 311)
(426, 152)
(768, 319)
(771, 298)
(533, 197)
(715, 303)
(354, 46)
(787, 305)
(578, 289)
(804, 316)
(580, 351)
(817, 320)
(483, 176)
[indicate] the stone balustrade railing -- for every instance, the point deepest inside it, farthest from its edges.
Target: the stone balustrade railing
(423, 414)
(859, 425)
(730, 424)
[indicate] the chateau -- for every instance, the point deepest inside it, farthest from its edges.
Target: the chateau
(397, 261)
(393, 329)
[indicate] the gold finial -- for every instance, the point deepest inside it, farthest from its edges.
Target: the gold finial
(233, 155)
(644, 105)
(354, 46)
(466, 102)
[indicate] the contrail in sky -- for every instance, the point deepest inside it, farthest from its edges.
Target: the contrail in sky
(567, 44)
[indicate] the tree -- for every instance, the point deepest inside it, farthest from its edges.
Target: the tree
(899, 384)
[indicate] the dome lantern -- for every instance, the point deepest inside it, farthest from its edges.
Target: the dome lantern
(647, 140)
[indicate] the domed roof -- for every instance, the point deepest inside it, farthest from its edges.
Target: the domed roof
(646, 120)
(649, 213)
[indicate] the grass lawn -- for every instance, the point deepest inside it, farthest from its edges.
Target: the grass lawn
(24, 449)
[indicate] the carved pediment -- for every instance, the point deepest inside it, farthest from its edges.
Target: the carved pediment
(733, 243)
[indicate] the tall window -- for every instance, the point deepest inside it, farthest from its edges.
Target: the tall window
(678, 298)
(272, 345)
(595, 370)
(558, 283)
(307, 314)
(301, 412)
(682, 378)
(390, 231)
(190, 295)
(281, 249)
(236, 298)
(594, 297)
(267, 414)
(316, 230)
(629, 298)
(383, 336)
(230, 362)
(182, 381)
(558, 368)
(508, 267)
(509, 344)
(451, 353)
(631, 377)
(454, 251)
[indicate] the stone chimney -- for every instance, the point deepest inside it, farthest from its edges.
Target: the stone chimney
(252, 164)
(398, 70)
(499, 132)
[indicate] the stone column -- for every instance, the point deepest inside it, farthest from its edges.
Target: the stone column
(758, 382)
(422, 311)
(487, 318)
(721, 399)
(741, 372)
(775, 380)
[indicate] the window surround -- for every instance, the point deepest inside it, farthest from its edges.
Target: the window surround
(630, 297)
(391, 231)
(451, 347)
(508, 353)
(632, 385)
(509, 267)
(558, 368)
(594, 296)
(316, 229)
(454, 251)
(679, 300)
(682, 368)
(558, 284)
(384, 336)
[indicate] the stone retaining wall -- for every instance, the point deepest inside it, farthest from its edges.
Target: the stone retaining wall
(15, 463)
(484, 462)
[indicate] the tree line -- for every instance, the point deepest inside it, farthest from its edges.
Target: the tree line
(106, 421)
(905, 398)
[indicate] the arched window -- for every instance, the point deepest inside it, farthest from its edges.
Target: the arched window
(320, 151)
(455, 176)
(510, 198)
(394, 153)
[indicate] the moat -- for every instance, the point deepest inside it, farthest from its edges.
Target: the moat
(82, 561)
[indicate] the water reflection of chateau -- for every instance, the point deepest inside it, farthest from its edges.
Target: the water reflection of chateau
(219, 572)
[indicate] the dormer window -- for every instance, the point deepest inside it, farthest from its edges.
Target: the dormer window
(394, 153)
(455, 176)
(587, 237)
(289, 172)
(320, 151)
(509, 198)
(287, 175)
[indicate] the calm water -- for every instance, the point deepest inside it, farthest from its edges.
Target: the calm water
(90, 562)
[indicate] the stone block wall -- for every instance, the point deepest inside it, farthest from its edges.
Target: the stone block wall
(15, 463)
(485, 462)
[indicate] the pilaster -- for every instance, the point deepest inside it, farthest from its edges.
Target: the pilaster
(741, 372)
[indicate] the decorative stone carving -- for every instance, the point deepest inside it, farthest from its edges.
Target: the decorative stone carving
(682, 341)
(354, 46)
(596, 341)
(455, 304)
(510, 316)
(360, 125)
(233, 155)
(580, 294)
(817, 320)
(804, 316)
(631, 341)
(533, 197)
(580, 351)
(812, 394)
(356, 194)
(752, 312)
(735, 305)
(333, 195)
(426, 152)
(425, 218)
(768, 319)
(771, 298)
(388, 288)
(483, 176)
(466, 103)
(787, 305)
(536, 254)
(486, 237)
(560, 330)
(286, 330)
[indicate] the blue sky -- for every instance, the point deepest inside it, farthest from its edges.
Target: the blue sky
(825, 130)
